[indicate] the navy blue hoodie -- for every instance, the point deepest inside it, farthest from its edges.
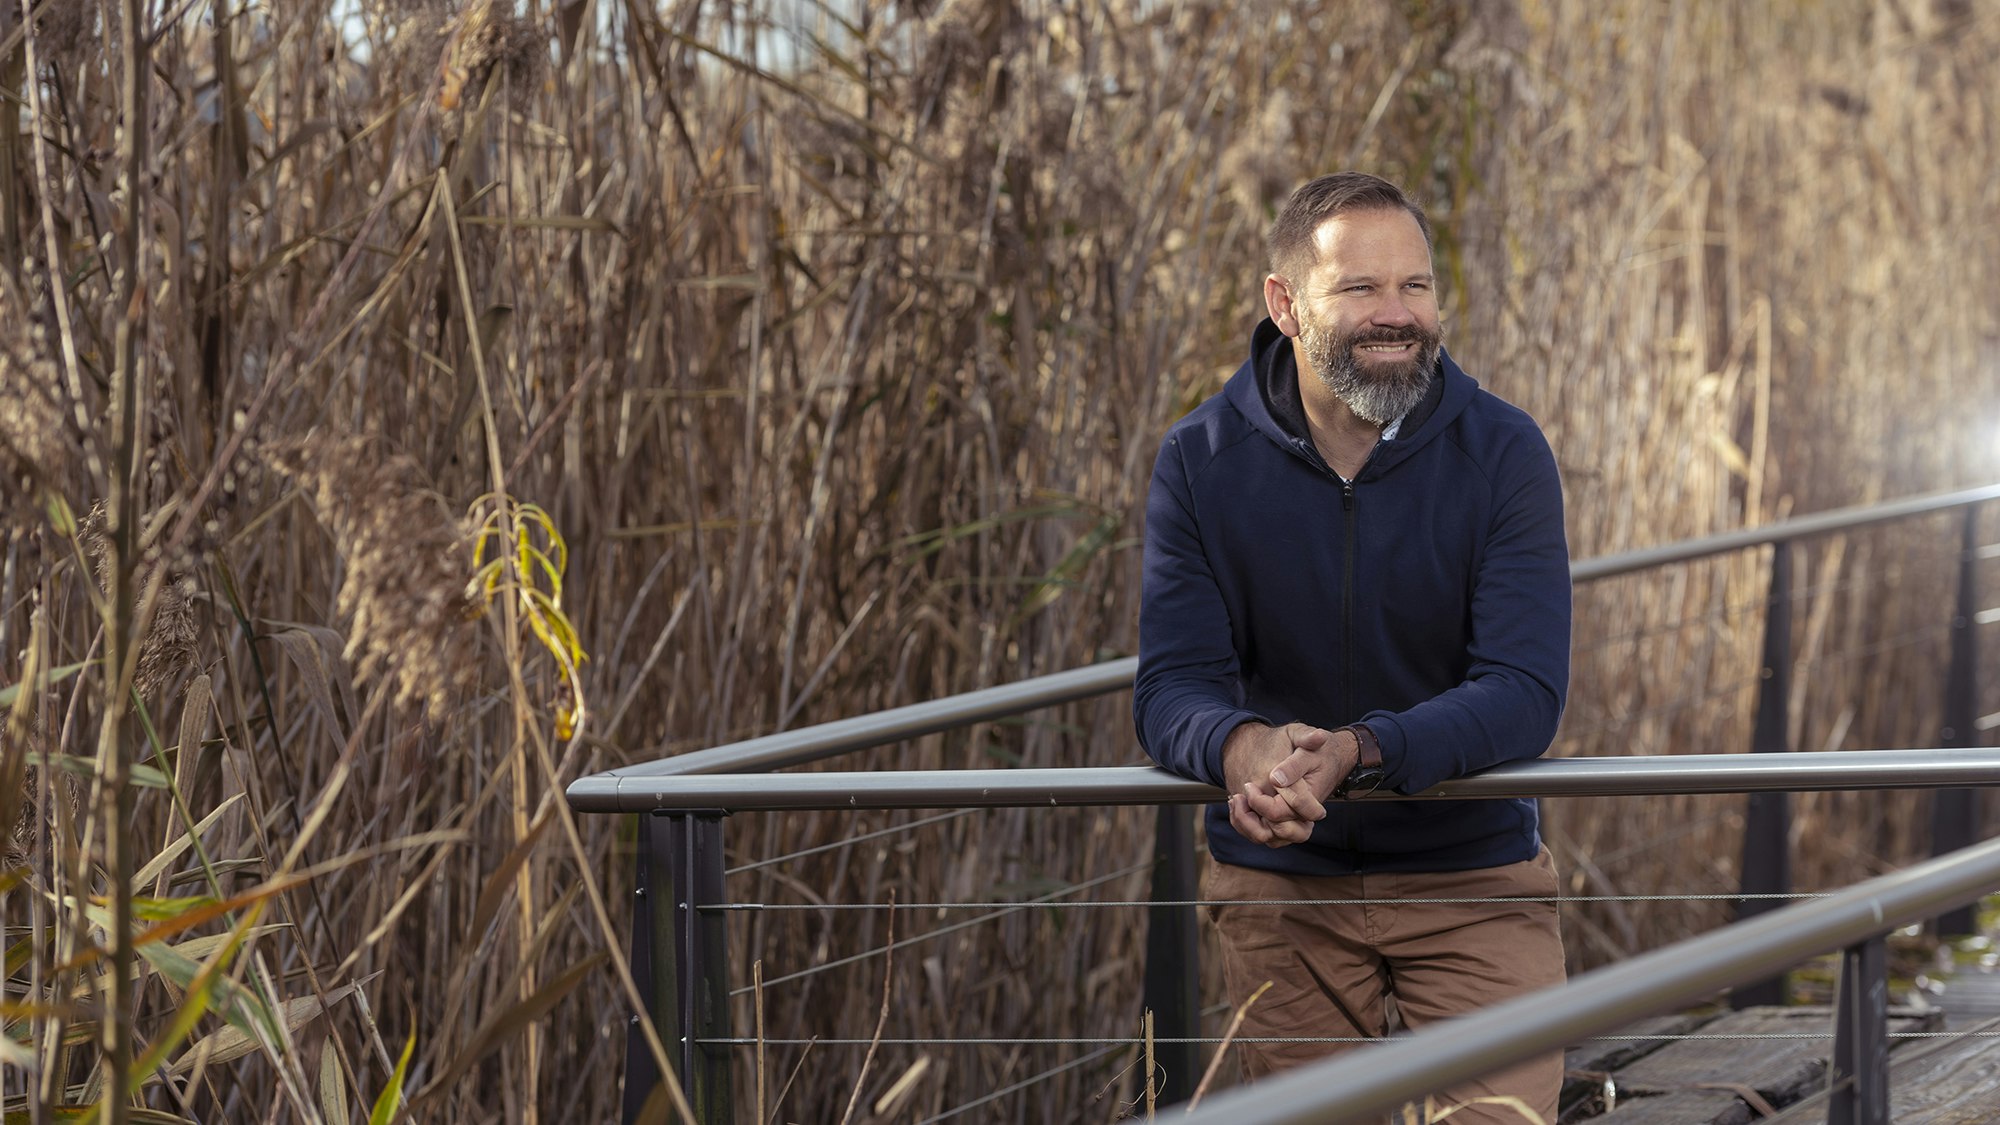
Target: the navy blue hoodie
(1428, 598)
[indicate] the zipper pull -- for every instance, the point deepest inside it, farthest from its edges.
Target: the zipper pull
(1347, 495)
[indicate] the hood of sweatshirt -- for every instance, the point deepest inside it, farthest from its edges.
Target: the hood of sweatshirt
(1266, 392)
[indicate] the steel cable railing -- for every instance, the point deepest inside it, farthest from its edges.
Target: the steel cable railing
(1730, 613)
(631, 788)
(904, 943)
(1687, 773)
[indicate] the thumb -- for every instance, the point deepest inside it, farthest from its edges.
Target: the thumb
(1307, 738)
(1301, 763)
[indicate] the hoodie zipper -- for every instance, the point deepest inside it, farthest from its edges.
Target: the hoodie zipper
(1351, 837)
(1349, 534)
(1347, 602)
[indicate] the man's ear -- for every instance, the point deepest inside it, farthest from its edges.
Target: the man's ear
(1279, 303)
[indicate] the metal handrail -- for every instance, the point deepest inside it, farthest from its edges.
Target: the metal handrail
(1148, 785)
(808, 744)
(1363, 1085)
(1784, 531)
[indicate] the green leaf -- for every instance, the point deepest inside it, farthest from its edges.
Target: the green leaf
(144, 776)
(11, 691)
(929, 542)
(392, 1094)
(60, 516)
(148, 909)
(18, 955)
(231, 1001)
(193, 1006)
(1059, 580)
(65, 1114)
(156, 866)
(233, 1043)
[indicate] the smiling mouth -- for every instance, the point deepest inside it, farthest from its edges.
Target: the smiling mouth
(1385, 349)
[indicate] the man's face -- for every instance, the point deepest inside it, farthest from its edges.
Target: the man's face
(1367, 313)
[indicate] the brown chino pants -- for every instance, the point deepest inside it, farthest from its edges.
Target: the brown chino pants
(1365, 938)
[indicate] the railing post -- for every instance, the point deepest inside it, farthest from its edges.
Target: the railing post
(1173, 955)
(700, 964)
(652, 961)
(1767, 820)
(1859, 1080)
(1954, 811)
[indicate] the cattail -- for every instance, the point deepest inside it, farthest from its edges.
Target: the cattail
(38, 446)
(168, 645)
(487, 45)
(65, 31)
(406, 559)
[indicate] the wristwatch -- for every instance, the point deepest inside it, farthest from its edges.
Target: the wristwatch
(1367, 774)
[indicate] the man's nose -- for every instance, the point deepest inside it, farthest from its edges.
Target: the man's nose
(1393, 311)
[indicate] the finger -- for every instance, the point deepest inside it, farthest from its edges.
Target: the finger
(1303, 804)
(1266, 804)
(1295, 767)
(1290, 832)
(1248, 824)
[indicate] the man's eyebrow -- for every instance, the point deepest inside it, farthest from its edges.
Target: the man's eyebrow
(1345, 280)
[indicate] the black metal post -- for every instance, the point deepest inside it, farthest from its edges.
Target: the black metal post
(700, 960)
(652, 960)
(1859, 1080)
(1173, 955)
(1767, 823)
(1954, 812)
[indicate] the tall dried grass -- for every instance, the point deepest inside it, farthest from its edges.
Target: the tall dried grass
(835, 342)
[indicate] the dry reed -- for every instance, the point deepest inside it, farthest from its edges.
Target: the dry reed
(837, 343)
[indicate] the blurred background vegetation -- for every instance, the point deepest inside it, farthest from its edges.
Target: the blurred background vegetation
(434, 402)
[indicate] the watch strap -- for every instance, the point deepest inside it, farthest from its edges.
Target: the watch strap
(1367, 774)
(1371, 749)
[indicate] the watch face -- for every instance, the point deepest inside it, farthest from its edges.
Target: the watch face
(1362, 779)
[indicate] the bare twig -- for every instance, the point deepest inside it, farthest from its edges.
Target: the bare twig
(881, 1017)
(1222, 1048)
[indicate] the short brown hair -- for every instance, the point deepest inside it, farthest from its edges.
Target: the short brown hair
(1318, 200)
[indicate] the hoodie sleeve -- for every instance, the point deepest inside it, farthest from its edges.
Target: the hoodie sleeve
(1518, 676)
(1188, 695)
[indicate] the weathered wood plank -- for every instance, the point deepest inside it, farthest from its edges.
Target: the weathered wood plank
(1769, 1066)
(1678, 1082)
(1933, 1082)
(1971, 997)
(1586, 1067)
(1684, 1107)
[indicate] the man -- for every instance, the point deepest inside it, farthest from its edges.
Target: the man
(1356, 579)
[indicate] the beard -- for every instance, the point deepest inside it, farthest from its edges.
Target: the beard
(1379, 393)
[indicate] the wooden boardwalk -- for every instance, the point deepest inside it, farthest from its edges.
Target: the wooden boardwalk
(1770, 1065)
(1750, 1066)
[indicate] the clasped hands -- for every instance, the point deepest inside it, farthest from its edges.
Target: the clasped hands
(1279, 778)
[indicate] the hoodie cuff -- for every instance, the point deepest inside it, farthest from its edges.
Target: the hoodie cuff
(1395, 759)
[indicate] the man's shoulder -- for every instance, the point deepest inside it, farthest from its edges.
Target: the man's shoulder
(1490, 425)
(1489, 410)
(1206, 432)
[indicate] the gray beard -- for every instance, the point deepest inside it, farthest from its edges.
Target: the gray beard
(1378, 398)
